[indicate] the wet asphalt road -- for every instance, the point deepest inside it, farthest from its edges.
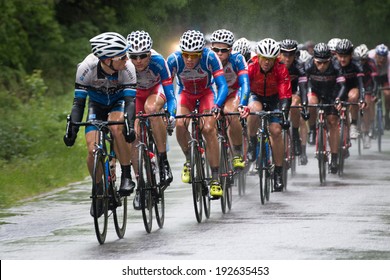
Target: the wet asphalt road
(349, 218)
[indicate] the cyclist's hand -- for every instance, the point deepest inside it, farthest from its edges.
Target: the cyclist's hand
(216, 110)
(171, 124)
(244, 111)
(129, 135)
(337, 103)
(362, 104)
(70, 138)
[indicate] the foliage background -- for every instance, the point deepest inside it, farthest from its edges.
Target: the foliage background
(41, 42)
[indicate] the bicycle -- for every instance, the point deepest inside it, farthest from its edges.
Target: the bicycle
(105, 196)
(345, 141)
(264, 162)
(199, 168)
(241, 181)
(150, 186)
(322, 152)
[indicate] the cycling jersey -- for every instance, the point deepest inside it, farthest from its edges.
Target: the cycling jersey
(156, 73)
(297, 72)
(236, 75)
(328, 85)
(199, 79)
(353, 74)
(275, 82)
(101, 87)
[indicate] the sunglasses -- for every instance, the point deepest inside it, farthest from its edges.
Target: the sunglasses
(320, 62)
(267, 58)
(217, 50)
(123, 57)
(187, 55)
(140, 56)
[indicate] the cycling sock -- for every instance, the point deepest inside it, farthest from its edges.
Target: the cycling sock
(334, 157)
(237, 149)
(303, 149)
(162, 157)
(187, 155)
(126, 171)
(313, 127)
(214, 173)
(354, 122)
(253, 140)
(278, 169)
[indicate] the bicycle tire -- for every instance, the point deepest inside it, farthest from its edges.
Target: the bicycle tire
(293, 159)
(260, 162)
(99, 197)
(342, 147)
(268, 171)
(223, 174)
(207, 176)
(242, 173)
(379, 115)
(286, 156)
(145, 188)
(360, 135)
(321, 148)
(157, 193)
(197, 180)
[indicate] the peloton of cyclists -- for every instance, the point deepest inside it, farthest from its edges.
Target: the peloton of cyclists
(235, 70)
(196, 67)
(270, 90)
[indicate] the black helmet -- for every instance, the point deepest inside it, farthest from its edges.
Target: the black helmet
(344, 47)
(322, 51)
(288, 45)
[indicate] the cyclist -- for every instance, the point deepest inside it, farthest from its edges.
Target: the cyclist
(108, 78)
(370, 87)
(154, 90)
(236, 74)
(304, 56)
(243, 46)
(327, 84)
(270, 89)
(382, 59)
(288, 55)
(353, 73)
(195, 68)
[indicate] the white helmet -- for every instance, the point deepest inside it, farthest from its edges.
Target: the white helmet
(222, 36)
(242, 46)
(139, 42)
(268, 48)
(108, 44)
(304, 56)
(192, 41)
(332, 43)
(361, 51)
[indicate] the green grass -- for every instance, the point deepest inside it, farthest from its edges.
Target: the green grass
(43, 162)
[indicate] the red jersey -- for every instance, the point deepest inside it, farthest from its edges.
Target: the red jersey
(275, 82)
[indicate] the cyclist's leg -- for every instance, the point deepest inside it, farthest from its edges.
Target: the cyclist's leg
(277, 154)
(154, 104)
(313, 99)
(235, 129)
(334, 136)
(210, 134)
(366, 122)
(254, 105)
(353, 97)
(295, 117)
(186, 105)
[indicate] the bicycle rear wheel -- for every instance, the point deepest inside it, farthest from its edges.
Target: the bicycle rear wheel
(197, 179)
(321, 153)
(99, 197)
(342, 148)
(145, 188)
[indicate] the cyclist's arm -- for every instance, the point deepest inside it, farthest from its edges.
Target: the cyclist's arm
(243, 80)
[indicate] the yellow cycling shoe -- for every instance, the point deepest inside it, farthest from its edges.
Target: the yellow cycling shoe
(186, 174)
(215, 189)
(238, 162)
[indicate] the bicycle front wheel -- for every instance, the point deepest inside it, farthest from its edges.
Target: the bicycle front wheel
(197, 178)
(159, 206)
(321, 153)
(342, 148)
(223, 175)
(260, 163)
(120, 215)
(286, 156)
(145, 188)
(99, 197)
(379, 128)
